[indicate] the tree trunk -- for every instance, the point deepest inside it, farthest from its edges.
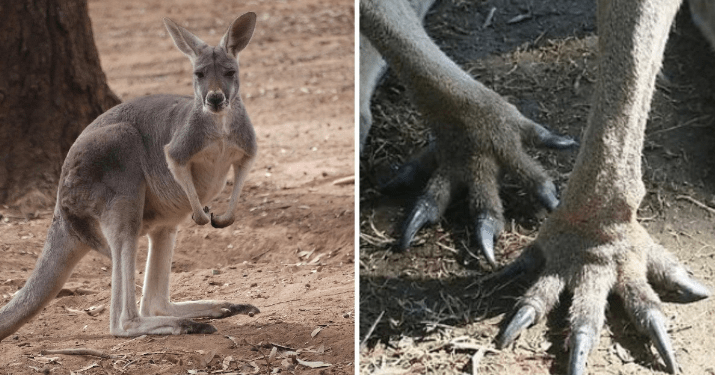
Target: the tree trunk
(51, 87)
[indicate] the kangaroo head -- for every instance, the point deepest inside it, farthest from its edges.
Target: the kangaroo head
(215, 68)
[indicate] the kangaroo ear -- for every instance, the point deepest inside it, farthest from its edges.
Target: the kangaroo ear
(187, 42)
(238, 34)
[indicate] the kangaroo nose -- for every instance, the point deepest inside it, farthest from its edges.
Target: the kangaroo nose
(215, 98)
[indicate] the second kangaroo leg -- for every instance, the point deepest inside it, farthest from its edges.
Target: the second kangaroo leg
(156, 298)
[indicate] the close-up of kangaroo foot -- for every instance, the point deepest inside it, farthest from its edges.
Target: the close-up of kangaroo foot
(592, 260)
(479, 134)
(471, 155)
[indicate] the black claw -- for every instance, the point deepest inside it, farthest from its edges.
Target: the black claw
(425, 211)
(546, 194)
(655, 322)
(581, 343)
(557, 142)
(689, 289)
(486, 230)
(523, 318)
(244, 309)
(192, 327)
(206, 209)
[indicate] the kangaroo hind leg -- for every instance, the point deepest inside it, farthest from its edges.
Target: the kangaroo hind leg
(122, 232)
(155, 299)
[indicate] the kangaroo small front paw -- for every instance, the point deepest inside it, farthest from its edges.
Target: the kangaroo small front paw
(201, 217)
(221, 221)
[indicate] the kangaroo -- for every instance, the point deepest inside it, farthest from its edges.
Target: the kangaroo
(141, 168)
(591, 244)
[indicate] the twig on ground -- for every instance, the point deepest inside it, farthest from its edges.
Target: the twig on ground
(696, 202)
(116, 347)
(345, 180)
(369, 332)
(82, 351)
(476, 358)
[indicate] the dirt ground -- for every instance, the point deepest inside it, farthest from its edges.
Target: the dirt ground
(541, 55)
(290, 253)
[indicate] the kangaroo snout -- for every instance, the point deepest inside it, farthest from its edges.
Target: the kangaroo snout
(215, 101)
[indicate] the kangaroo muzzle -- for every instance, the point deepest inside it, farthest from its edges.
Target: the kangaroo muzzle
(215, 101)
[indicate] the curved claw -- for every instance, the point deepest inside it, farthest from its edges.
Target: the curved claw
(546, 194)
(425, 211)
(655, 327)
(486, 230)
(546, 138)
(581, 343)
(523, 318)
(689, 289)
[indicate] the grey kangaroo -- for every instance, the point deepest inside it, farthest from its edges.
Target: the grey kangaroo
(141, 168)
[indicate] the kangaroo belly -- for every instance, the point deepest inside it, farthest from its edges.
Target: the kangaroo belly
(210, 167)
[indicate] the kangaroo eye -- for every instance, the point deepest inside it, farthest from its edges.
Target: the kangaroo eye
(199, 74)
(230, 73)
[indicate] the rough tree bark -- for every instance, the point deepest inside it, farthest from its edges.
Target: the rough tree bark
(51, 87)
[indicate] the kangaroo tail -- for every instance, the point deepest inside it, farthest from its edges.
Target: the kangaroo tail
(61, 253)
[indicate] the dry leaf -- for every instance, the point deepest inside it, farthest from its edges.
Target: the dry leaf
(316, 364)
(316, 331)
(47, 360)
(227, 362)
(95, 310)
(87, 367)
(72, 311)
(271, 356)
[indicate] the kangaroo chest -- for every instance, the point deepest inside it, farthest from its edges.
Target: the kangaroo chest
(210, 165)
